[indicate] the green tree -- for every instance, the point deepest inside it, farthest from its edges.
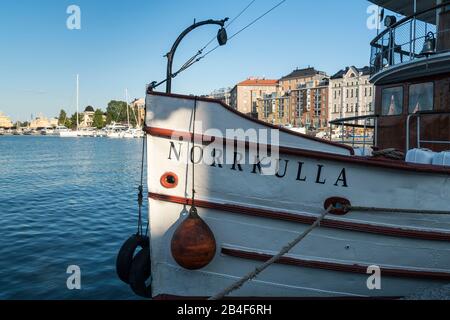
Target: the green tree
(98, 121)
(116, 111)
(73, 120)
(62, 117)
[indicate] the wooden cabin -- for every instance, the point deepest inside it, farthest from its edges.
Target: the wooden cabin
(411, 73)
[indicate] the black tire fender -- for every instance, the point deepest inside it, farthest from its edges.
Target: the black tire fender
(140, 272)
(126, 254)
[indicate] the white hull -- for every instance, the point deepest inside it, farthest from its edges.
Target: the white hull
(253, 216)
(114, 135)
(68, 134)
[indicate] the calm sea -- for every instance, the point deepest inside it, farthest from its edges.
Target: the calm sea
(65, 202)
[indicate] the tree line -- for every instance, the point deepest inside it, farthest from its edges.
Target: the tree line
(115, 112)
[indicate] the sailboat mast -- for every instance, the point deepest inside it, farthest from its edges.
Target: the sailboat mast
(78, 93)
(128, 111)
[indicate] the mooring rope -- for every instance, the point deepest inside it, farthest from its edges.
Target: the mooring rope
(389, 153)
(141, 191)
(396, 210)
(238, 284)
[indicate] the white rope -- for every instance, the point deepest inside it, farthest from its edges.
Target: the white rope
(238, 284)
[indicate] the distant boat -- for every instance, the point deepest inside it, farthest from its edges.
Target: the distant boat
(27, 132)
(48, 131)
(115, 131)
(133, 133)
(64, 132)
(86, 132)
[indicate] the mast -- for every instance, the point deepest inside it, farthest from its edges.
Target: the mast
(78, 93)
(128, 111)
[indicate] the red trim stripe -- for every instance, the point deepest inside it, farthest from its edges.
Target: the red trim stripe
(383, 163)
(340, 267)
(293, 133)
(307, 220)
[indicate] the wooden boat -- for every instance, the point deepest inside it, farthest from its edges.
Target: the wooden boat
(389, 214)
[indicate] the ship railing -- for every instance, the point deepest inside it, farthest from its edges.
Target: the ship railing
(404, 41)
(418, 116)
(369, 124)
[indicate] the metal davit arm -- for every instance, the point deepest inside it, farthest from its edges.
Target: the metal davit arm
(171, 53)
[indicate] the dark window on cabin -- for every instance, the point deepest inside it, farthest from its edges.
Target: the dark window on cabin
(392, 102)
(421, 97)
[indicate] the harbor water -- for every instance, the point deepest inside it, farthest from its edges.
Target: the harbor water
(66, 202)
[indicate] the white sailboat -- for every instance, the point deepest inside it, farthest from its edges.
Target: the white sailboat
(72, 133)
(131, 132)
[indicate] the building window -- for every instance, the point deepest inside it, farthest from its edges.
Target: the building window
(297, 110)
(392, 101)
(421, 97)
(267, 108)
(281, 109)
(255, 108)
(365, 92)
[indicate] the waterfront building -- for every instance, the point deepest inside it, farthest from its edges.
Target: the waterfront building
(244, 96)
(300, 77)
(138, 105)
(310, 103)
(87, 117)
(41, 122)
(304, 106)
(223, 94)
(5, 122)
(351, 93)
(274, 108)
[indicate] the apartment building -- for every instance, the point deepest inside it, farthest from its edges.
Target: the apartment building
(311, 104)
(304, 106)
(351, 93)
(244, 96)
(300, 77)
(275, 108)
(5, 121)
(88, 117)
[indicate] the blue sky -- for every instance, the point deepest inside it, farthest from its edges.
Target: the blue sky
(121, 45)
